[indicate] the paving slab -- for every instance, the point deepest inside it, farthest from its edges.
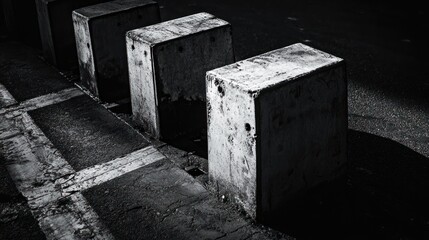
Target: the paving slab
(25, 74)
(16, 221)
(161, 201)
(86, 133)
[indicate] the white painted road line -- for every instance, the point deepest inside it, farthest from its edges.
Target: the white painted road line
(40, 172)
(100, 173)
(41, 101)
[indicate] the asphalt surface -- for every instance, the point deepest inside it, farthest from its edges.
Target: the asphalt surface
(86, 133)
(15, 73)
(384, 195)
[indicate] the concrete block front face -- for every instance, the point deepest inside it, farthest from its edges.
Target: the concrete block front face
(231, 128)
(56, 30)
(100, 39)
(167, 65)
(277, 126)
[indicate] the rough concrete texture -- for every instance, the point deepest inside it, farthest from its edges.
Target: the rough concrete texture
(277, 126)
(231, 135)
(172, 206)
(16, 221)
(56, 30)
(167, 64)
(7, 99)
(94, 135)
(100, 39)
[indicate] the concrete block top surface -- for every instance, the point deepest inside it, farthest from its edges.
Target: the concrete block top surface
(266, 70)
(107, 8)
(176, 28)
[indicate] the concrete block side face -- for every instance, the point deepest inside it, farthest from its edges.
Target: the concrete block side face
(180, 68)
(231, 137)
(85, 54)
(108, 37)
(303, 127)
(45, 31)
(58, 13)
(142, 85)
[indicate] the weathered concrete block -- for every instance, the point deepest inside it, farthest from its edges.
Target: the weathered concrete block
(56, 30)
(277, 126)
(167, 65)
(100, 39)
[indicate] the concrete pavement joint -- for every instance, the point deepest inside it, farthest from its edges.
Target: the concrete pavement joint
(37, 102)
(40, 172)
(32, 162)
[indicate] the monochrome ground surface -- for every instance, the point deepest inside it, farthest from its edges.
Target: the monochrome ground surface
(70, 168)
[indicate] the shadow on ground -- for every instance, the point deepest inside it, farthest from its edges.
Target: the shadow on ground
(384, 196)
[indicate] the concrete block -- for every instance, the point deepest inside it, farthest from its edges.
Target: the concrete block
(167, 65)
(56, 30)
(277, 126)
(100, 39)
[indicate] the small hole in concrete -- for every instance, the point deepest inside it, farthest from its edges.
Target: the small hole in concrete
(145, 53)
(195, 172)
(87, 45)
(247, 127)
(180, 49)
(220, 90)
(132, 47)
